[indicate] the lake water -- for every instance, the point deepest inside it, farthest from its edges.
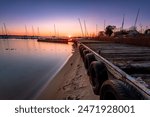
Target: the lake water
(27, 65)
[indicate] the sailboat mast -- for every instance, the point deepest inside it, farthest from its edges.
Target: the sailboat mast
(2, 31)
(26, 30)
(33, 30)
(96, 29)
(136, 18)
(85, 28)
(81, 27)
(122, 22)
(5, 28)
(55, 29)
(57, 32)
(104, 24)
(38, 31)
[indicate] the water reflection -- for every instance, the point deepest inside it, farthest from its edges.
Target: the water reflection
(26, 65)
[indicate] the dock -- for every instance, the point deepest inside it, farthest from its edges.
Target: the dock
(118, 63)
(57, 40)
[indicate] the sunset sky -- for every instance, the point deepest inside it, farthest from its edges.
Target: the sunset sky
(65, 13)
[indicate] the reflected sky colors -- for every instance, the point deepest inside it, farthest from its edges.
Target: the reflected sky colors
(65, 13)
(27, 65)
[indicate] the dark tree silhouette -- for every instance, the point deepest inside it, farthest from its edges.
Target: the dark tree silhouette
(109, 30)
(147, 32)
(101, 33)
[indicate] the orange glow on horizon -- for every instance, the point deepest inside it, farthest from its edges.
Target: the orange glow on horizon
(69, 36)
(64, 27)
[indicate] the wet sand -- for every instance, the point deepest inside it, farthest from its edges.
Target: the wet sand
(71, 83)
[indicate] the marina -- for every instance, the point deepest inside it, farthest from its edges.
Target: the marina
(74, 50)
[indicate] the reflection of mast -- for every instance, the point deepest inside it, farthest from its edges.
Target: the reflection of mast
(136, 18)
(81, 27)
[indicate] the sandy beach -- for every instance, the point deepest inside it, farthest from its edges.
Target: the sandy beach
(71, 83)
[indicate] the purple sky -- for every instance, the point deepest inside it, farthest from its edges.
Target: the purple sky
(65, 13)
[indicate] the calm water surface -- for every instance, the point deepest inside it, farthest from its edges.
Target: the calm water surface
(27, 65)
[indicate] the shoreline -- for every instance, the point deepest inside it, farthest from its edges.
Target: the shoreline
(70, 83)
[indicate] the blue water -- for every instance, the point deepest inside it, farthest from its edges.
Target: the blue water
(27, 65)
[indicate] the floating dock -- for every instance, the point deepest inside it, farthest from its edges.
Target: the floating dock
(53, 40)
